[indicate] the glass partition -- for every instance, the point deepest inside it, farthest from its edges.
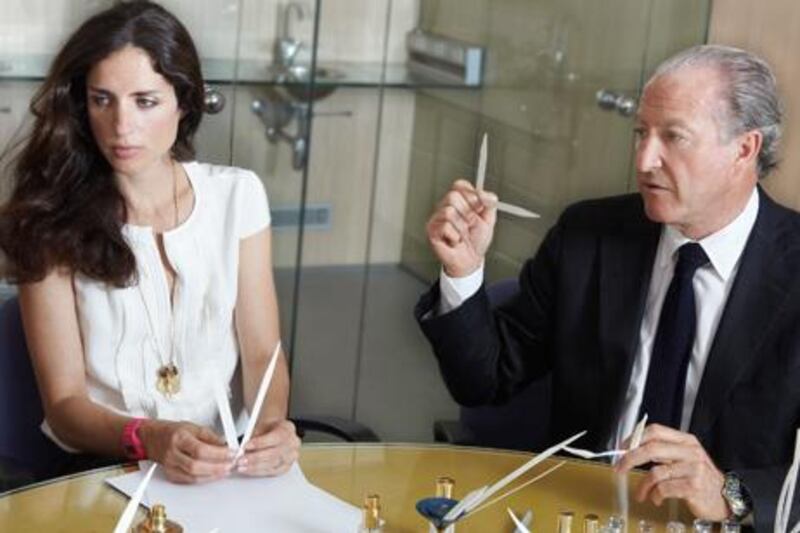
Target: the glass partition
(355, 148)
(359, 352)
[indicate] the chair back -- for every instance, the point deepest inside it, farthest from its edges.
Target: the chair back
(21, 440)
(524, 422)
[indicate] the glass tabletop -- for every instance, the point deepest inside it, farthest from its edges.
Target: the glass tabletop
(400, 473)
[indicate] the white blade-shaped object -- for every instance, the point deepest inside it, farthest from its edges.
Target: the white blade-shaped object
(225, 415)
(527, 518)
(784, 508)
(516, 210)
(126, 518)
(262, 393)
(587, 454)
(455, 512)
(480, 175)
(480, 180)
(466, 502)
(638, 433)
(622, 479)
(521, 527)
(530, 464)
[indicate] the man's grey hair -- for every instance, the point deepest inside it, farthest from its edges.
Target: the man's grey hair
(750, 94)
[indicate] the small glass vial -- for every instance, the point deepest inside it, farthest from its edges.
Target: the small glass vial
(591, 523)
(565, 522)
(646, 527)
(616, 524)
(156, 522)
(675, 527)
(444, 489)
(371, 521)
(702, 526)
(730, 525)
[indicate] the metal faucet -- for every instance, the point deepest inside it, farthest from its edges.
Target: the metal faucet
(287, 47)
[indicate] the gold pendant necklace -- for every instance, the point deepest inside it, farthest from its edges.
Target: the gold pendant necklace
(168, 379)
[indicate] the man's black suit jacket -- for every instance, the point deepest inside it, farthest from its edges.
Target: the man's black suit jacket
(578, 316)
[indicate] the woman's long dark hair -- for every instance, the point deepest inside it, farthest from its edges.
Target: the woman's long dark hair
(65, 210)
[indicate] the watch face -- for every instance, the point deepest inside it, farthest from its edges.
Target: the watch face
(736, 496)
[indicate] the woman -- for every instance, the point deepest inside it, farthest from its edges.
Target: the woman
(143, 276)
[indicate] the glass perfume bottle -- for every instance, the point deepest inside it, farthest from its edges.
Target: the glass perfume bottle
(371, 521)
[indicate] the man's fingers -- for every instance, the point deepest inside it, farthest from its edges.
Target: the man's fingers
(663, 473)
(673, 488)
(668, 434)
(657, 451)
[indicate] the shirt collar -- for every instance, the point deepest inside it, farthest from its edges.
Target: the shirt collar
(723, 247)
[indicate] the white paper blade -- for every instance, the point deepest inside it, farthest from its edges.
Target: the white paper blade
(638, 433)
(456, 511)
(480, 175)
(517, 522)
(530, 464)
(515, 210)
(262, 393)
(587, 454)
(622, 479)
(225, 415)
(465, 502)
(126, 519)
(526, 521)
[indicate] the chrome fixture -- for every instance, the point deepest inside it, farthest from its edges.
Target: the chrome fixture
(286, 46)
(277, 112)
(213, 100)
(611, 100)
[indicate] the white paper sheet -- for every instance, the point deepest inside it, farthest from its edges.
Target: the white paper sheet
(285, 504)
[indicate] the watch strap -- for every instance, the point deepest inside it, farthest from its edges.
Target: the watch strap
(131, 442)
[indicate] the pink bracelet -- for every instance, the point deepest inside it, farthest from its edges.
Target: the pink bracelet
(131, 443)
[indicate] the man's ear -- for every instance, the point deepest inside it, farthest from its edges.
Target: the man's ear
(748, 146)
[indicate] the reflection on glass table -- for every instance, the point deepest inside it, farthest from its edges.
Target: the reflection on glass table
(400, 474)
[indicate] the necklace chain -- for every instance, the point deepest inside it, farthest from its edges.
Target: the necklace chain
(168, 376)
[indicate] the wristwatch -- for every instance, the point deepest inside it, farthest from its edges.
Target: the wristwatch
(737, 496)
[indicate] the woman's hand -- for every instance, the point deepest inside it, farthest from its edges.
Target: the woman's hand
(271, 451)
(188, 453)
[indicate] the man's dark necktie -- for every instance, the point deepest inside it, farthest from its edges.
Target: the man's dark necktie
(672, 348)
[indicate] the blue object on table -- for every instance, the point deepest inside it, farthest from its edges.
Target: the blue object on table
(435, 509)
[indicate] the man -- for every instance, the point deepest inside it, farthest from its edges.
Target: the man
(682, 301)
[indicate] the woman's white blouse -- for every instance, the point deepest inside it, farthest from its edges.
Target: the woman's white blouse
(123, 353)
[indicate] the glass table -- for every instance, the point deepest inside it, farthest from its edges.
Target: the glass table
(400, 473)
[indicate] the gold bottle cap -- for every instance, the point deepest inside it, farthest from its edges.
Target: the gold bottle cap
(444, 487)
(158, 518)
(157, 522)
(565, 521)
(591, 523)
(372, 511)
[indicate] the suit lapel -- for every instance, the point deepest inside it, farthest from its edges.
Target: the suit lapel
(626, 265)
(758, 292)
